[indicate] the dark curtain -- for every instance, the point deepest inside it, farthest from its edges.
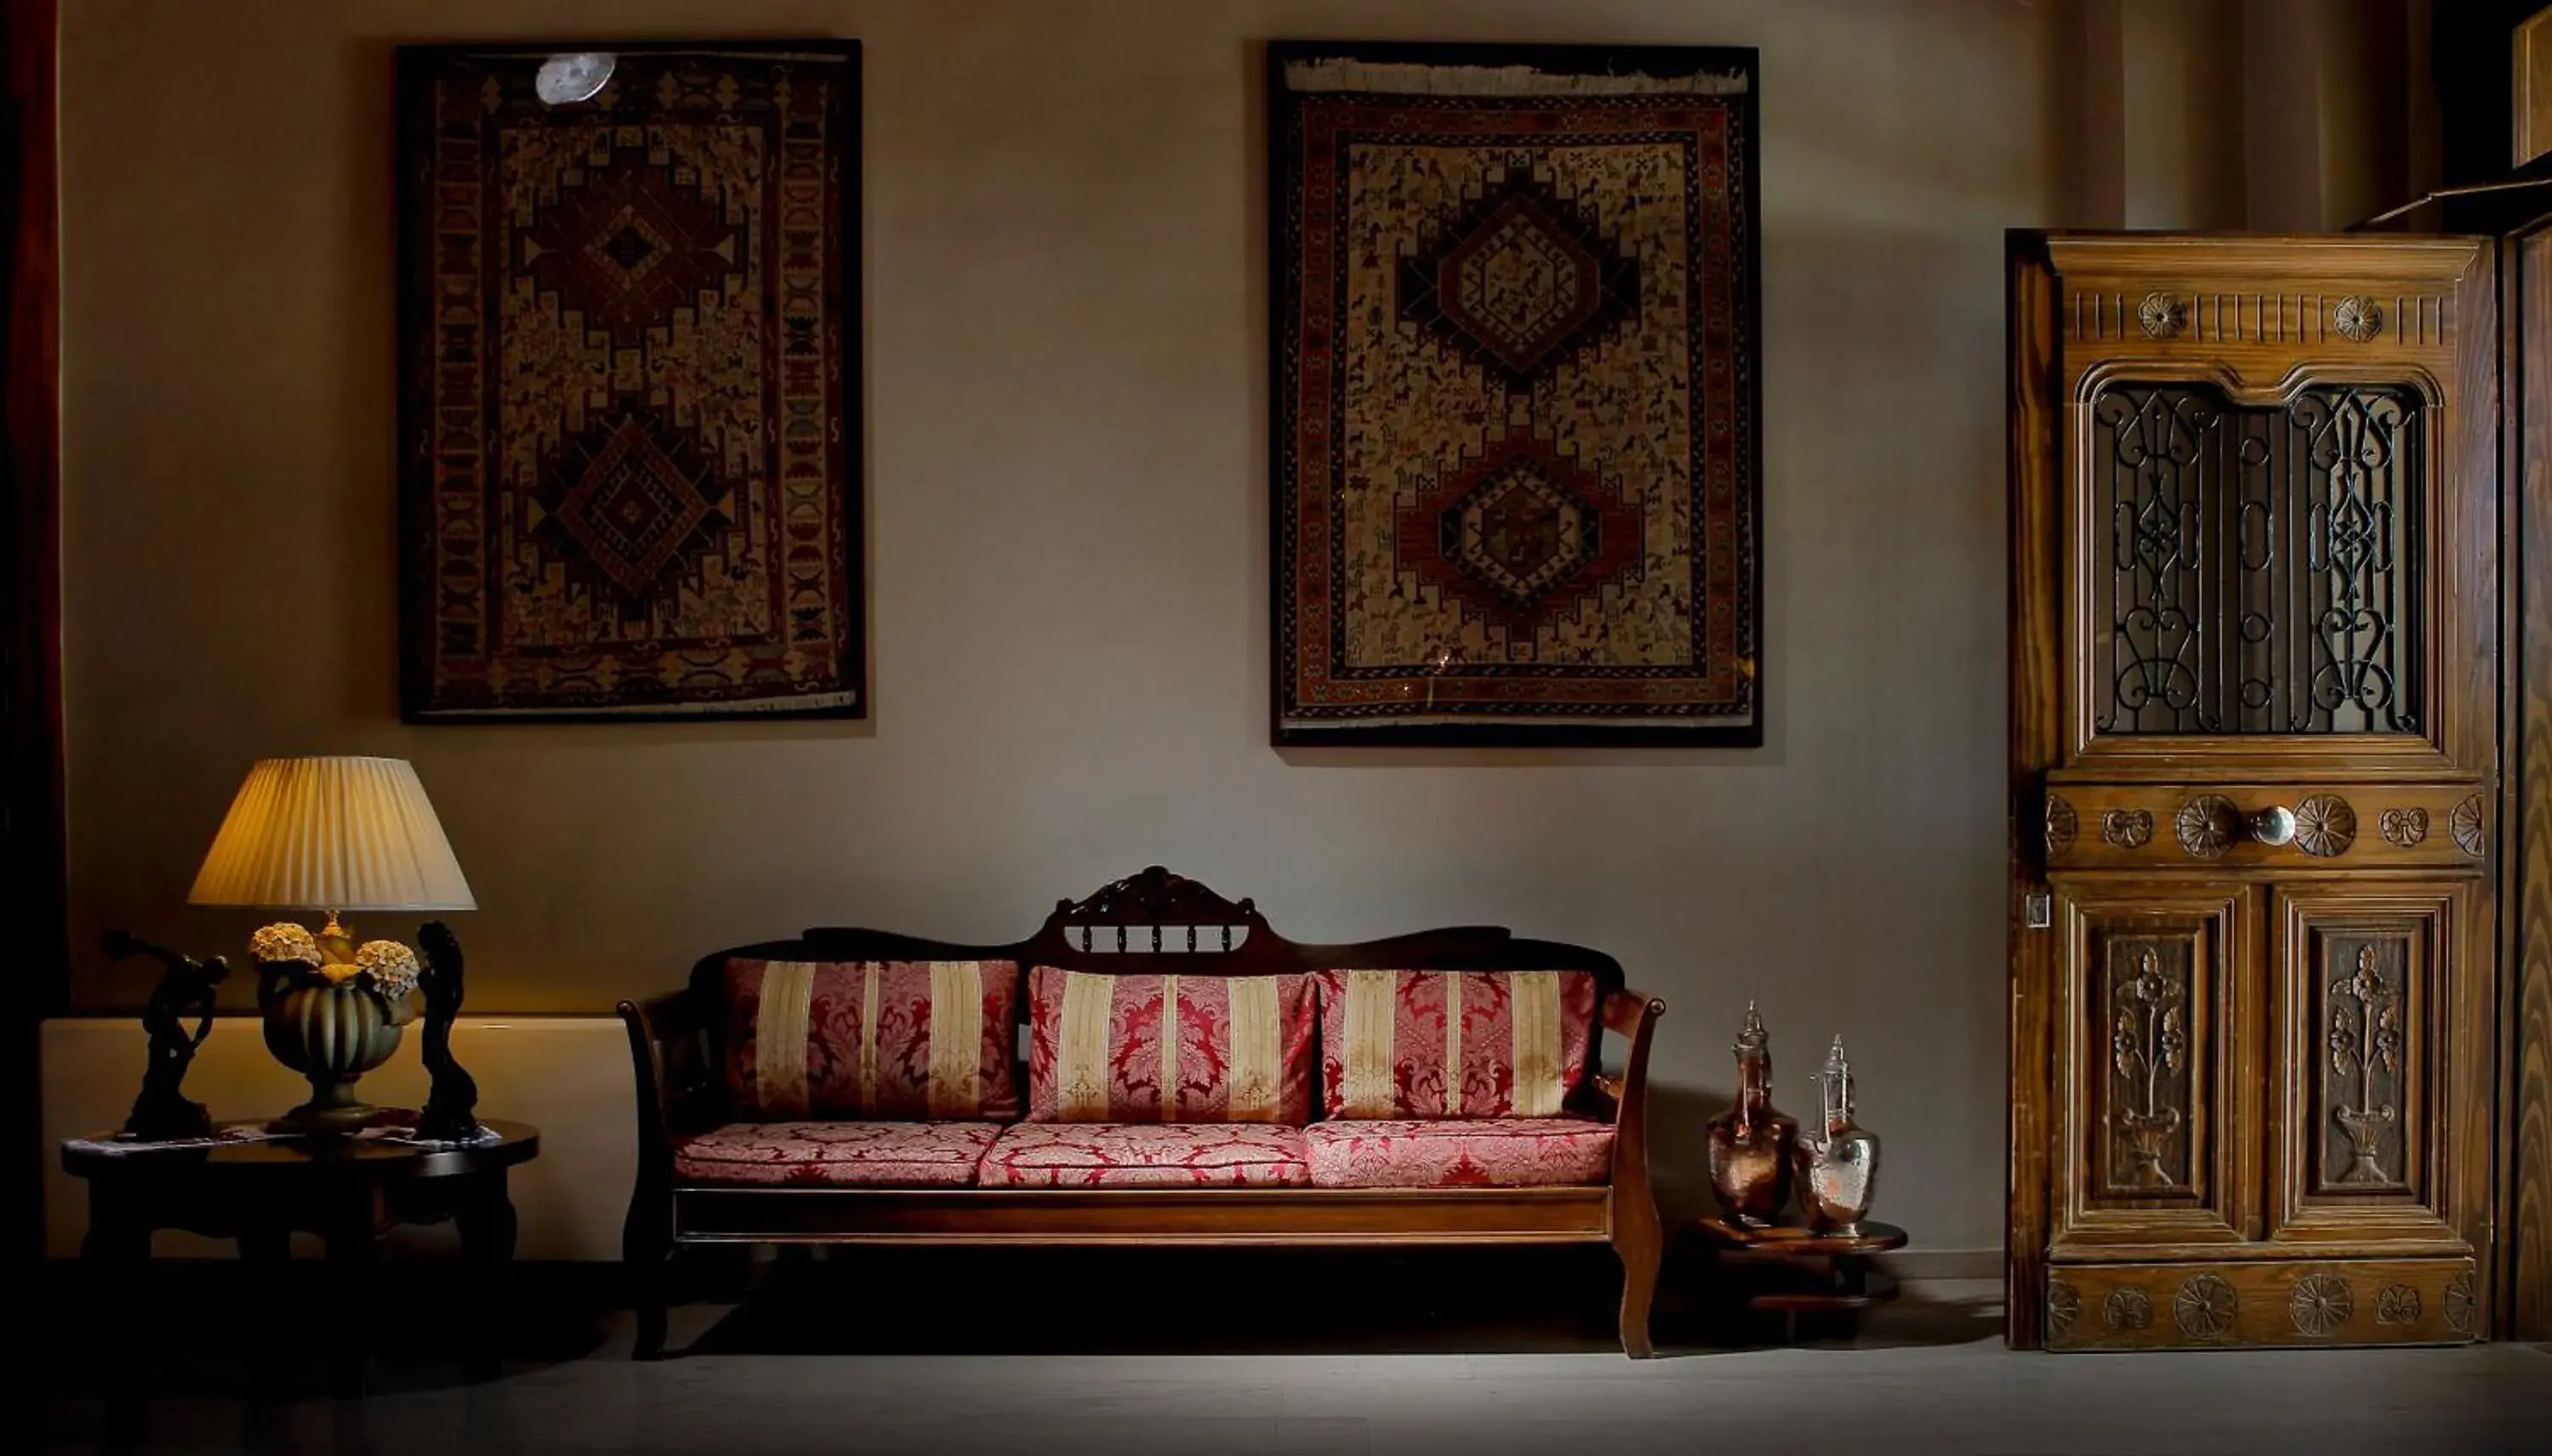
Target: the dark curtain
(38, 978)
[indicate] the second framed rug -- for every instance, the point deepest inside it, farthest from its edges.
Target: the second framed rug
(1514, 476)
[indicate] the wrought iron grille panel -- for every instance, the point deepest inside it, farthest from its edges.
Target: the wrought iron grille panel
(2261, 570)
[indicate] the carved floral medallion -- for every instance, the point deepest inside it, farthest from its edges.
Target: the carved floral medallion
(2397, 1304)
(2126, 828)
(2128, 1308)
(2402, 828)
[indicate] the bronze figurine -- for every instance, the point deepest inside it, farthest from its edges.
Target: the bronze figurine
(452, 1105)
(1838, 1165)
(1749, 1143)
(162, 1113)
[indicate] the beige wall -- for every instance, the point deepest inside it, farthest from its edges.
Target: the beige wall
(1067, 497)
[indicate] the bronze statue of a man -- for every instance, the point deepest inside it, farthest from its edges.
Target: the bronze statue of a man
(161, 1112)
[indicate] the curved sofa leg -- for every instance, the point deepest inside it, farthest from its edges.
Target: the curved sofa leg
(1641, 1251)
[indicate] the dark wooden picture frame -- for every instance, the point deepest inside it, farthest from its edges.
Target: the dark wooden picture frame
(1712, 697)
(632, 514)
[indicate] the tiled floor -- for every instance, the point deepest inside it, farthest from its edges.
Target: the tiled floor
(1170, 1363)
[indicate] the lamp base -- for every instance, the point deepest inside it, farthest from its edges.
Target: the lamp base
(333, 1108)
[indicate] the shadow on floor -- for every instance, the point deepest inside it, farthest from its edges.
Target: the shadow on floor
(1243, 1302)
(216, 1329)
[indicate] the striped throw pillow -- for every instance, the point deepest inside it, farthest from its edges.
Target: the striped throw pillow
(1452, 1044)
(1236, 1049)
(879, 1040)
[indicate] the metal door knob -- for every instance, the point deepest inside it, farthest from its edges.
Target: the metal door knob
(2274, 825)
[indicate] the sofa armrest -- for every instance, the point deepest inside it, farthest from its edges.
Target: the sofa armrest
(674, 1049)
(1623, 1097)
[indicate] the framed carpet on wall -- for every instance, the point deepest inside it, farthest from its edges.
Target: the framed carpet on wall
(629, 347)
(1515, 475)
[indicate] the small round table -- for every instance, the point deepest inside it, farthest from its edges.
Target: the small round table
(348, 1191)
(1793, 1272)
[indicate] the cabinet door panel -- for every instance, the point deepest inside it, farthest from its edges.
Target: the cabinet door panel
(2157, 1012)
(2369, 1058)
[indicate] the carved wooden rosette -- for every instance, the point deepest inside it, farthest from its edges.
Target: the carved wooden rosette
(2320, 1305)
(2467, 827)
(2206, 1307)
(2208, 826)
(2325, 826)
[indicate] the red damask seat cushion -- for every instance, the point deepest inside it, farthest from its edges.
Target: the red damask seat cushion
(1503, 1152)
(914, 1040)
(1452, 1044)
(837, 1154)
(1168, 1048)
(1145, 1155)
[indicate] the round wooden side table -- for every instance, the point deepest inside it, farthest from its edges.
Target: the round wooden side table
(348, 1191)
(1795, 1272)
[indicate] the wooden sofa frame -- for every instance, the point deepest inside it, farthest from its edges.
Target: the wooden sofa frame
(1152, 923)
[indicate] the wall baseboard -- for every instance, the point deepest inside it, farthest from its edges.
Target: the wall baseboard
(1935, 1263)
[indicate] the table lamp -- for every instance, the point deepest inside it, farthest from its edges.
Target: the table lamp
(332, 835)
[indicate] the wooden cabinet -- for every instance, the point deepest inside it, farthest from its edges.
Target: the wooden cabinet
(2255, 752)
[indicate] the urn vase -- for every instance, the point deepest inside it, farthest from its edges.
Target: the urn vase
(331, 1033)
(1749, 1143)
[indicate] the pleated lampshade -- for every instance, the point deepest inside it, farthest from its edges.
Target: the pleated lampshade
(332, 834)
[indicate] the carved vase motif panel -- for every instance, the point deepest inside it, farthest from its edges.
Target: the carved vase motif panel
(2148, 1011)
(2364, 1139)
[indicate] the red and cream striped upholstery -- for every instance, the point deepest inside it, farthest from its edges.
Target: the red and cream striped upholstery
(888, 1040)
(1145, 1155)
(1441, 1044)
(1238, 1049)
(1502, 1152)
(837, 1154)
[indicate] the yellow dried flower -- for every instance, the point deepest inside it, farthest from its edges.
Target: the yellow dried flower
(392, 965)
(285, 943)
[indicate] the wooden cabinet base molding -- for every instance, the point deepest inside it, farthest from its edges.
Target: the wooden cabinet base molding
(2256, 1303)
